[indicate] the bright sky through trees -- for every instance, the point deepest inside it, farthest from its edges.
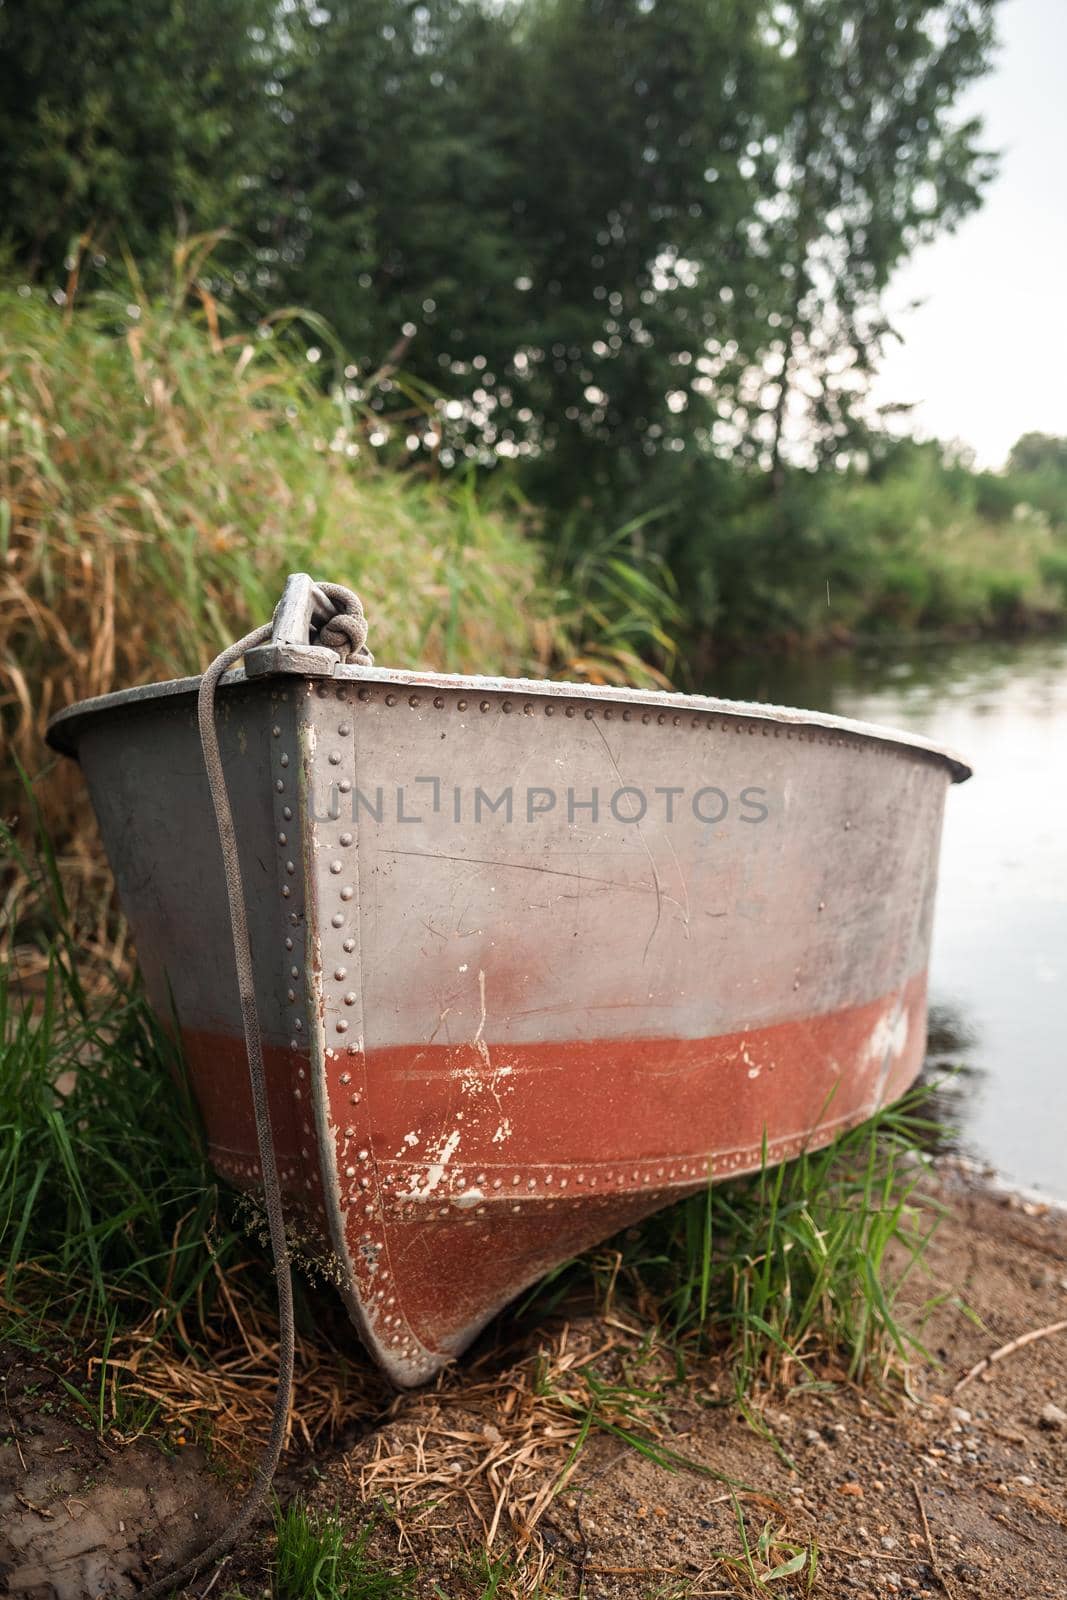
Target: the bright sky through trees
(985, 354)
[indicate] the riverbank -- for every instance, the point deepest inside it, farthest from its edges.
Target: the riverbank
(790, 653)
(937, 1482)
(165, 468)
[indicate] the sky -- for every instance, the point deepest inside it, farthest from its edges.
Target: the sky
(985, 353)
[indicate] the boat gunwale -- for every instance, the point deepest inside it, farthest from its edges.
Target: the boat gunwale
(64, 728)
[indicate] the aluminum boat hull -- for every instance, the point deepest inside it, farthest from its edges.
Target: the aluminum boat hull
(532, 959)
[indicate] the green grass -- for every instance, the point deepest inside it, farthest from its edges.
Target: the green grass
(317, 1557)
(109, 1213)
(315, 1560)
(795, 1271)
(628, 1410)
(768, 1558)
(107, 1209)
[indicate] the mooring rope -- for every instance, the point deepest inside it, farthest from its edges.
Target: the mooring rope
(346, 634)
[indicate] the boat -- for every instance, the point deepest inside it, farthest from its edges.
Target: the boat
(531, 959)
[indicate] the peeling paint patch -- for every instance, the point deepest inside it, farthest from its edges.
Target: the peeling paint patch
(478, 1041)
(435, 1171)
(888, 1038)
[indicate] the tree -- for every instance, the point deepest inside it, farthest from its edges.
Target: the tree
(616, 231)
(124, 121)
(651, 126)
(874, 162)
(542, 211)
(624, 241)
(1039, 452)
(388, 208)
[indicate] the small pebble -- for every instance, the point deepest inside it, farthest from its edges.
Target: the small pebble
(1052, 1416)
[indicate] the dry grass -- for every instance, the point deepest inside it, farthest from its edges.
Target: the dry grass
(483, 1461)
(488, 1450)
(162, 471)
(158, 479)
(484, 1453)
(218, 1382)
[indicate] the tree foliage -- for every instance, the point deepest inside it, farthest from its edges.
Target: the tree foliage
(121, 123)
(636, 247)
(619, 229)
(1039, 452)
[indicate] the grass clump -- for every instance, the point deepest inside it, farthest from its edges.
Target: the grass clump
(313, 1560)
(316, 1559)
(160, 477)
(163, 469)
(109, 1213)
(768, 1556)
(798, 1270)
(121, 1254)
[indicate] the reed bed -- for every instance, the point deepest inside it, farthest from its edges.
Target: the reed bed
(162, 469)
(159, 477)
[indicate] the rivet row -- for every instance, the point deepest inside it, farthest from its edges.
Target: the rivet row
(709, 721)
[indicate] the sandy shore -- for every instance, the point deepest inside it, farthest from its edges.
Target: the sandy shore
(949, 1484)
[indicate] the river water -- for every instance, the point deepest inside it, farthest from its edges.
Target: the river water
(998, 982)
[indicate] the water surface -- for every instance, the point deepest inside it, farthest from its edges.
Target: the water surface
(998, 982)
